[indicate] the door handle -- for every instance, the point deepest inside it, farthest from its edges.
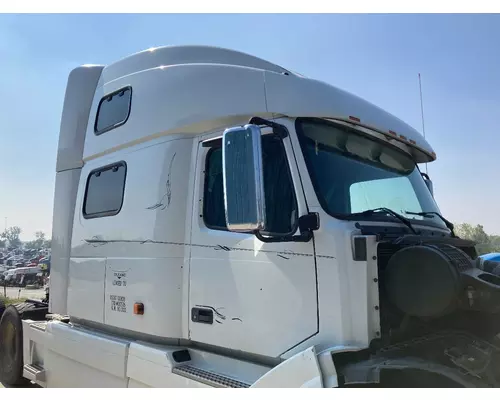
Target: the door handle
(202, 315)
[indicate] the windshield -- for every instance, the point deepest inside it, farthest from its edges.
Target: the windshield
(352, 173)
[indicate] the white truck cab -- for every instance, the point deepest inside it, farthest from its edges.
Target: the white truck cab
(220, 221)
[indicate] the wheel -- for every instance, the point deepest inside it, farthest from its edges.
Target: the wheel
(11, 340)
(11, 347)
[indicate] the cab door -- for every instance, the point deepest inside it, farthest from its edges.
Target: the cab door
(245, 294)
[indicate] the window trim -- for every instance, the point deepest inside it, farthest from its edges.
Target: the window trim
(104, 98)
(205, 189)
(295, 227)
(85, 195)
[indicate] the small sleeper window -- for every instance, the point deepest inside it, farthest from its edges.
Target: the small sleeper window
(113, 110)
(105, 190)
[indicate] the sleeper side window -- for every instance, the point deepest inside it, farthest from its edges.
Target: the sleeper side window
(113, 110)
(105, 190)
(281, 204)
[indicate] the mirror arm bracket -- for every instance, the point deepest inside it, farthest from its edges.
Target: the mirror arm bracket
(303, 237)
(278, 129)
(307, 224)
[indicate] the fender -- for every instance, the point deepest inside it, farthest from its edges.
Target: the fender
(327, 365)
(369, 371)
(300, 371)
(309, 369)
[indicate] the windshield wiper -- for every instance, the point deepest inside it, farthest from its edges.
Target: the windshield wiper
(430, 214)
(385, 210)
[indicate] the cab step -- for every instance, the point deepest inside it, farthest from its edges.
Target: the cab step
(34, 373)
(208, 377)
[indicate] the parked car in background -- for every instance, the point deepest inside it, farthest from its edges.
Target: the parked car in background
(8, 276)
(490, 263)
(24, 276)
(44, 264)
(491, 257)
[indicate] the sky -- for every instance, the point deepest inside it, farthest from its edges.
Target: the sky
(377, 57)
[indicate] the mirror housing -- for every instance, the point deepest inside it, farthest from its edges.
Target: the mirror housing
(243, 177)
(428, 183)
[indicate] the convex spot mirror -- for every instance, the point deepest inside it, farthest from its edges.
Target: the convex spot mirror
(243, 176)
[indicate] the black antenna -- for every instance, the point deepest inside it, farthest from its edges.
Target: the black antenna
(422, 112)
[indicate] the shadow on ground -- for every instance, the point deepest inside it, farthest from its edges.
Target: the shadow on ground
(24, 386)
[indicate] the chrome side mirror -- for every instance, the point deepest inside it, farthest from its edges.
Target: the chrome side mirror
(243, 177)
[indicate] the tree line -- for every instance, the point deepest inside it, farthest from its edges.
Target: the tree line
(485, 243)
(11, 237)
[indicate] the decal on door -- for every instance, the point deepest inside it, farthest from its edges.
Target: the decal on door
(118, 303)
(119, 279)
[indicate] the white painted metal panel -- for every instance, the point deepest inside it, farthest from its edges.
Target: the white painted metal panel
(79, 358)
(133, 384)
(179, 55)
(80, 90)
(169, 99)
(154, 282)
(66, 372)
(86, 288)
(66, 188)
(303, 97)
(263, 294)
(151, 221)
(145, 241)
(266, 303)
(300, 371)
(151, 365)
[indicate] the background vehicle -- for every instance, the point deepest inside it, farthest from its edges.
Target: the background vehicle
(491, 257)
(44, 264)
(221, 221)
(8, 277)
